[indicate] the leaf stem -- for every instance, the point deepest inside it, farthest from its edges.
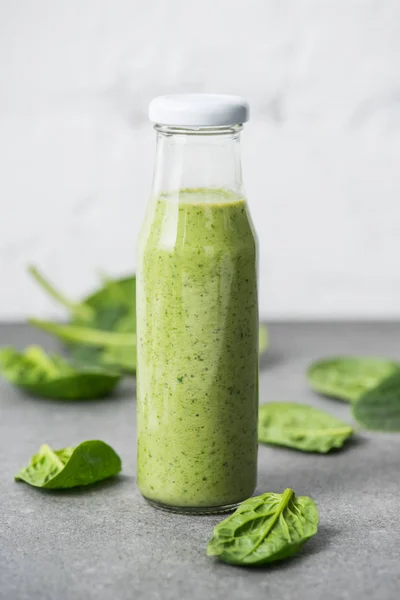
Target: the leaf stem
(86, 335)
(80, 311)
(284, 501)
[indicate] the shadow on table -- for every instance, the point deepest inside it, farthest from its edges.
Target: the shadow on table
(353, 443)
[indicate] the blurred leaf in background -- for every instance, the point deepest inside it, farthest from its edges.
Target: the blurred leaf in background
(111, 308)
(51, 376)
(348, 377)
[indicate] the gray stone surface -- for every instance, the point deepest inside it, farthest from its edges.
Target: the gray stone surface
(106, 542)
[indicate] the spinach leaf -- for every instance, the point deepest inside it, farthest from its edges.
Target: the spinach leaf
(103, 308)
(114, 302)
(71, 467)
(379, 408)
(80, 311)
(264, 529)
(95, 347)
(348, 377)
(86, 357)
(111, 308)
(301, 427)
(120, 358)
(86, 335)
(51, 376)
(263, 339)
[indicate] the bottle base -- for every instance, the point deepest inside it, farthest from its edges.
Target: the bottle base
(193, 510)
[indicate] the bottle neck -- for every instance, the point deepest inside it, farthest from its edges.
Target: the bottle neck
(197, 158)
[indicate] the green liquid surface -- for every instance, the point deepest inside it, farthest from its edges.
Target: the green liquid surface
(197, 321)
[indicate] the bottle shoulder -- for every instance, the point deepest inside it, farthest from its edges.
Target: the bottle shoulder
(197, 219)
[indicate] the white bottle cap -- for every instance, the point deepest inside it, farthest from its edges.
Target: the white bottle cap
(198, 110)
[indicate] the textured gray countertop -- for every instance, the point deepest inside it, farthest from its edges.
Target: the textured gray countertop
(106, 542)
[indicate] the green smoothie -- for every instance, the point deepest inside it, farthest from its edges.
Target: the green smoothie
(197, 327)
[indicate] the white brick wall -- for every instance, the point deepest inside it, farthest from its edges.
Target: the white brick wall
(320, 154)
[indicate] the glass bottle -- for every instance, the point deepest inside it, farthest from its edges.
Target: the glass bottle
(197, 313)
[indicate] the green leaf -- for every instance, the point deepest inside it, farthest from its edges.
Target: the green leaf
(264, 529)
(120, 291)
(126, 324)
(122, 358)
(348, 377)
(379, 408)
(85, 357)
(79, 310)
(86, 335)
(301, 427)
(115, 310)
(115, 301)
(110, 308)
(103, 308)
(94, 347)
(71, 467)
(263, 339)
(51, 376)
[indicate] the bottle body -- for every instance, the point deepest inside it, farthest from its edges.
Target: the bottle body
(197, 331)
